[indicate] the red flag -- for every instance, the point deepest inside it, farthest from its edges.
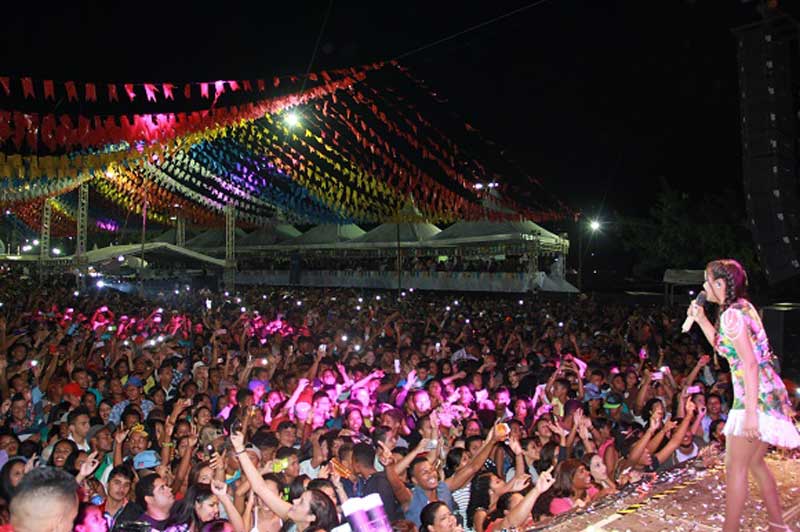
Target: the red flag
(233, 85)
(187, 91)
(27, 88)
(112, 93)
(5, 125)
(129, 89)
(91, 92)
(276, 82)
(150, 90)
(261, 85)
(4, 81)
(167, 88)
(204, 90)
(246, 86)
(48, 133)
(72, 91)
(49, 91)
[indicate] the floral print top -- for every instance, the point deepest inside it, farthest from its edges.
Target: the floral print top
(742, 318)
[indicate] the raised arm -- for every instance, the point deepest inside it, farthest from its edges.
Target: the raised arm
(520, 513)
(463, 475)
(675, 441)
(271, 499)
(401, 491)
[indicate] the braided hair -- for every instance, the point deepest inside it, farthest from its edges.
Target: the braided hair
(735, 282)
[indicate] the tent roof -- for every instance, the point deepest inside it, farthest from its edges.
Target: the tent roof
(266, 236)
(684, 277)
(483, 231)
(388, 233)
(213, 238)
(556, 284)
(170, 236)
(327, 234)
(157, 249)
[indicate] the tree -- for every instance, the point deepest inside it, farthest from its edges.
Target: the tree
(680, 234)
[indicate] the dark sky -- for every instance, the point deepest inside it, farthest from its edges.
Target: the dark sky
(598, 99)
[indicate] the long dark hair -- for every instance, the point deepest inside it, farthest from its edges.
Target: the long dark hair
(6, 489)
(453, 460)
(735, 281)
(182, 511)
(324, 511)
(427, 516)
(73, 448)
(478, 496)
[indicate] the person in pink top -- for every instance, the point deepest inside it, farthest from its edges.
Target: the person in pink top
(573, 487)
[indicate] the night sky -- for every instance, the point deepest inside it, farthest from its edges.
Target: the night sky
(596, 99)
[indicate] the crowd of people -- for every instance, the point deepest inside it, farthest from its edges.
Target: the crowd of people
(411, 263)
(268, 409)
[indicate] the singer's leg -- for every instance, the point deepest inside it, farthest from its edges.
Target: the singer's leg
(738, 455)
(767, 486)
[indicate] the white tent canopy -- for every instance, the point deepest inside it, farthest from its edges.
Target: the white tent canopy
(269, 235)
(213, 238)
(157, 249)
(684, 277)
(327, 234)
(487, 231)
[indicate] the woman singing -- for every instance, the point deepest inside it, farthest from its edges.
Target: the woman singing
(761, 414)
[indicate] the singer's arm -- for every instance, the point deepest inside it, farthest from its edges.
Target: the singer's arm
(698, 313)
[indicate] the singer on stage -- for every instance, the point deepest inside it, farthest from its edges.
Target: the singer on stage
(761, 414)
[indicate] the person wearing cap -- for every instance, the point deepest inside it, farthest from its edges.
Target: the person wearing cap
(72, 393)
(133, 392)
(101, 441)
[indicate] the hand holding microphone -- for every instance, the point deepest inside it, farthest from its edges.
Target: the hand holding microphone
(694, 312)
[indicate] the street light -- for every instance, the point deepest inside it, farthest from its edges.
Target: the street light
(594, 226)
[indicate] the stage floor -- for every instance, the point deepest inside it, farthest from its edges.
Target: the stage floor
(691, 499)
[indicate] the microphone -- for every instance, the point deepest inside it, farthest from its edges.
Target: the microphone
(689, 321)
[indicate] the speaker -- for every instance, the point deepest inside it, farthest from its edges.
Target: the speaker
(769, 79)
(782, 323)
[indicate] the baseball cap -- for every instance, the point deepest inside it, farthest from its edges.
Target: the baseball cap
(146, 460)
(134, 381)
(613, 401)
(591, 393)
(72, 388)
(94, 430)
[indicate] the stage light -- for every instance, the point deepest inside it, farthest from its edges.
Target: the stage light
(173, 218)
(299, 303)
(378, 298)
(292, 119)
(521, 302)
(177, 292)
(344, 338)
(360, 299)
(35, 242)
(243, 309)
(27, 247)
(56, 251)
(594, 225)
(357, 347)
(478, 186)
(121, 258)
(76, 293)
(100, 284)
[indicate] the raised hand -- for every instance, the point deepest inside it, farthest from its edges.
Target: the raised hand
(219, 488)
(120, 435)
(88, 467)
(545, 480)
(237, 440)
(519, 483)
